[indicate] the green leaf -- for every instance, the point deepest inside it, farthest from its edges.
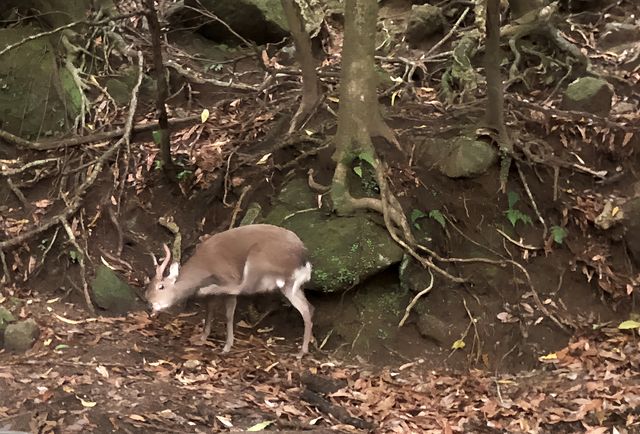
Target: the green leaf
(260, 426)
(74, 255)
(157, 164)
(437, 216)
(458, 345)
(558, 233)
(513, 198)
(183, 174)
(416, 214)
(157, 136)
(358, 171)
(366, 156)
(61, 347)
(629, 324)
(512, 216)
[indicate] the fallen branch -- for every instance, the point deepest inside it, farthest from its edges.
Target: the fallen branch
(98, 137)
(83, 270)
(415, 299)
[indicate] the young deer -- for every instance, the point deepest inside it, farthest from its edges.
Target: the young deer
(242, 261)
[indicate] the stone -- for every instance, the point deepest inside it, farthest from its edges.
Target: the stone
(6, 317)
(423, 21)
(20, 336)
(343, 250)
(431, 327)
(110, 292)
(260, 21)
(29, 77)
(590, 95)
(632, 228)
(468, 158)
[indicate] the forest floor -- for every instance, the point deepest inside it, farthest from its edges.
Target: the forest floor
(570, 369)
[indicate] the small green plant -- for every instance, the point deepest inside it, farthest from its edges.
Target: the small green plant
(183, 174)
(558, 233)
(437, 216)
(157, 164)
(514, 215)
(74, 256)
(434, 214)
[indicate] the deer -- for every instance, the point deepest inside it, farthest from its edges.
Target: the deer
(246, 260)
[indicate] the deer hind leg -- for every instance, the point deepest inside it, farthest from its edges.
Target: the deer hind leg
(295, 294)
(230, 306)
(208, 319)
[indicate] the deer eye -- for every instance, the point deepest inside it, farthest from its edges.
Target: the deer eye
(160, 287)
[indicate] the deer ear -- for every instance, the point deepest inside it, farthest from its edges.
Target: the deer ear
(173, 271)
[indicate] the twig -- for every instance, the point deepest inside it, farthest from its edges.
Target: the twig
(83, 140)
(226, 182)
(475, 329)
(407, 311)
(517, 243)
(7, 171)
(81, 256)
(116, 224)
(448, 35)
(19, 195)
(236, 209)
(533, 201)
(5, 267)
(65, 27)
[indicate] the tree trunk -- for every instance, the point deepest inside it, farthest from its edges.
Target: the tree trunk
(495, 110)
(304, 56)
(359, 115)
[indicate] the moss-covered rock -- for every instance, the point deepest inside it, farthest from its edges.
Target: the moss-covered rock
(588, 94)
(6, 317)
(344, 251)
(111, 293)
(36, 97)
(380, 307)
(20, 336)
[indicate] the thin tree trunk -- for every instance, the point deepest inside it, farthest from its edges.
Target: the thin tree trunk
(495, 104)
(162, 92)
(304, 56)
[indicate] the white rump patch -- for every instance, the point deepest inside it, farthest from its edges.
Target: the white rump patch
(280, 283)
(301, 276)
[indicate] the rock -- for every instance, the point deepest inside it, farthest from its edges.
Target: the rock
(260, 21)
(413, 276)
(6, 317)
(590, 95)
(20, 336)
(431, 327)
(22, 95)
(632, 225)
(616, 34)
(111, 293)
(468, 157)
(423, 21)
(343, 250)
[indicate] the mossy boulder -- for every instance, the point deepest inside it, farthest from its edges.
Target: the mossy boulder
(36, 97)
(110, 292)
(345, 250)
(463, 156)
(590, 95)
(6, 317)
(20, 336)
